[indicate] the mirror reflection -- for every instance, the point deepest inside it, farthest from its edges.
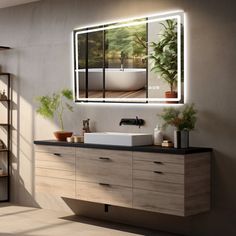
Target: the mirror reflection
(133, 61)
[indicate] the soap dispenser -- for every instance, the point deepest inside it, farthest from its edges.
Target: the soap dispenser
(158, 136)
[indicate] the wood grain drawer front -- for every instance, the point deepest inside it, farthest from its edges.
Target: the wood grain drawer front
(121, 157)
(55, 173)
(158, 202)
(157, 186)
(60, 187)
(158, 157)
(110, 171)
(159, 166)
(104, 166)
(51, 161)
(158, 176)
(106, 194)
(55, 149)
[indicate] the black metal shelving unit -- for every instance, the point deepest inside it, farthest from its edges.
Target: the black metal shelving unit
(6, 152)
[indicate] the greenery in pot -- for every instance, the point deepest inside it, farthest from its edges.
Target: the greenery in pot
(165, 54)
(55, 105)
(181, 119)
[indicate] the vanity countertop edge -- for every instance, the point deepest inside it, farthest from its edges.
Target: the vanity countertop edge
(151, 148)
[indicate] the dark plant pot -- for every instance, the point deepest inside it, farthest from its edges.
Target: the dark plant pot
(171, 94)
(181, 139)
(62, 135)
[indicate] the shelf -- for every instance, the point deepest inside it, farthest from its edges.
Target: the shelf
(4, 150)
(4, 124)
(4, 100)
(4, 175)
(4, 48)
(3, 74)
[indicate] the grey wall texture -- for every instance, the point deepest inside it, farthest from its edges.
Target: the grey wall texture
(41, 62)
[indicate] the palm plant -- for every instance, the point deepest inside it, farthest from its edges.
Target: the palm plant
(165, 54)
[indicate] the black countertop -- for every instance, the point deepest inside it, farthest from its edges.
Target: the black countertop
(150, 148)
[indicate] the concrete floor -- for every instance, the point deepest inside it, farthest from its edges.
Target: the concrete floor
(26, 221)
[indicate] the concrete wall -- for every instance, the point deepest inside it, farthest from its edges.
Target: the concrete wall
(40, 35)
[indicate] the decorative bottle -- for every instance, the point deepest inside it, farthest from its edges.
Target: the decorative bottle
(158, 136)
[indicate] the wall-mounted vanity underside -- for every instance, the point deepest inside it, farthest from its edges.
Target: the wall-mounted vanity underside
(150, 178)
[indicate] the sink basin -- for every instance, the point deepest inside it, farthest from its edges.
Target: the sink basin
(118, 139)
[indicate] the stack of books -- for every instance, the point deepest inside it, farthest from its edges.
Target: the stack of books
(167, 143)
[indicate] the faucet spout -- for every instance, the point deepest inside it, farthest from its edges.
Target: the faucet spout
(136, 121)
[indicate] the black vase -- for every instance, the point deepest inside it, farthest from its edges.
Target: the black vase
(181, 139)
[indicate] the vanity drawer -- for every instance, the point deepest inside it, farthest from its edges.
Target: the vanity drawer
(158, 166)
(158, 176)
(121, 157)
(106, 194)
(55, 161)
(56, 157)
(55, 186)
(163, 187)
(158, 157)
(55, 173)
(104, 166)
(99, 171)
(158, 202)
(55, 149)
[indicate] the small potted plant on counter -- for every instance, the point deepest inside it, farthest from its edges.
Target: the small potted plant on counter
(165, 57)
(183, 120)
(53, 107)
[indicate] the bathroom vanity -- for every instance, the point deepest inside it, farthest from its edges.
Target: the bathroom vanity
(150, 178)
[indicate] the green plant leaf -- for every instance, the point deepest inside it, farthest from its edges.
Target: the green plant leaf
(54, 105)
(165, 51)
(46, 108)
(182, 119)
(67, 93)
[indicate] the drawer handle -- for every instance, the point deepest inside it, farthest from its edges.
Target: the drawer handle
(105, 158)
(158, 172)
(104, 184)
(158, 162)
(57, 154)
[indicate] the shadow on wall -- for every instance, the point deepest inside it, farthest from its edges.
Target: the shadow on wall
(223, 172)
(210, 121)
(223, 165)
(22, 151)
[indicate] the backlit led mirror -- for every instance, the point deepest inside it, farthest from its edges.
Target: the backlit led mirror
(139, 60)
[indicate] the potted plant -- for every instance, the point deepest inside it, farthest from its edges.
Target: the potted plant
(183, 120)
(53, 107)
(165, 56)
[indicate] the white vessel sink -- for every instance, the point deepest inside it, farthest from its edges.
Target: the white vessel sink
(118, 139)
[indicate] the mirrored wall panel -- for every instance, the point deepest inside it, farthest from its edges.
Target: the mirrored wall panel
(140, 60)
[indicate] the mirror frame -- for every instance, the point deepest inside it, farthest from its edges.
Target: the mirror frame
(178, 15)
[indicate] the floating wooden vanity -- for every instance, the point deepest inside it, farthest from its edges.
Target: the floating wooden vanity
(164, 180)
